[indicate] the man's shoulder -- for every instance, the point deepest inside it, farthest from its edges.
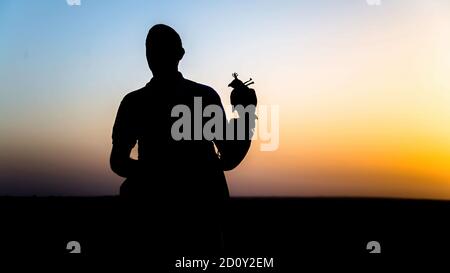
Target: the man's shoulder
(134, 96)
(197, 89)
(201, 89)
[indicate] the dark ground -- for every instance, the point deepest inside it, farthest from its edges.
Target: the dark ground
(290, 230)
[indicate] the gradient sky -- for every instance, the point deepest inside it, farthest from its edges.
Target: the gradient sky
(363, 91)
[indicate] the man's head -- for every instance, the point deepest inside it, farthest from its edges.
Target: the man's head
(164, 50)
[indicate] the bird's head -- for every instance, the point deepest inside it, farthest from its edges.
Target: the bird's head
(237, 83)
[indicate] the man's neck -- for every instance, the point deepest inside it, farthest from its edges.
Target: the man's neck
(167, 75)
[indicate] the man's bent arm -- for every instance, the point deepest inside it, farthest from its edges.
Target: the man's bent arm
(233, 151)
(121, 163)
(124, 139)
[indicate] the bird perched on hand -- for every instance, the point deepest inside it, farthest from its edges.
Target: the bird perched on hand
(241, 93)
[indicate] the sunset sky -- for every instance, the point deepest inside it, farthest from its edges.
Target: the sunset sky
(363, 91)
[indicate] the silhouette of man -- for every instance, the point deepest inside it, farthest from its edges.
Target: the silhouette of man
(175, 182)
